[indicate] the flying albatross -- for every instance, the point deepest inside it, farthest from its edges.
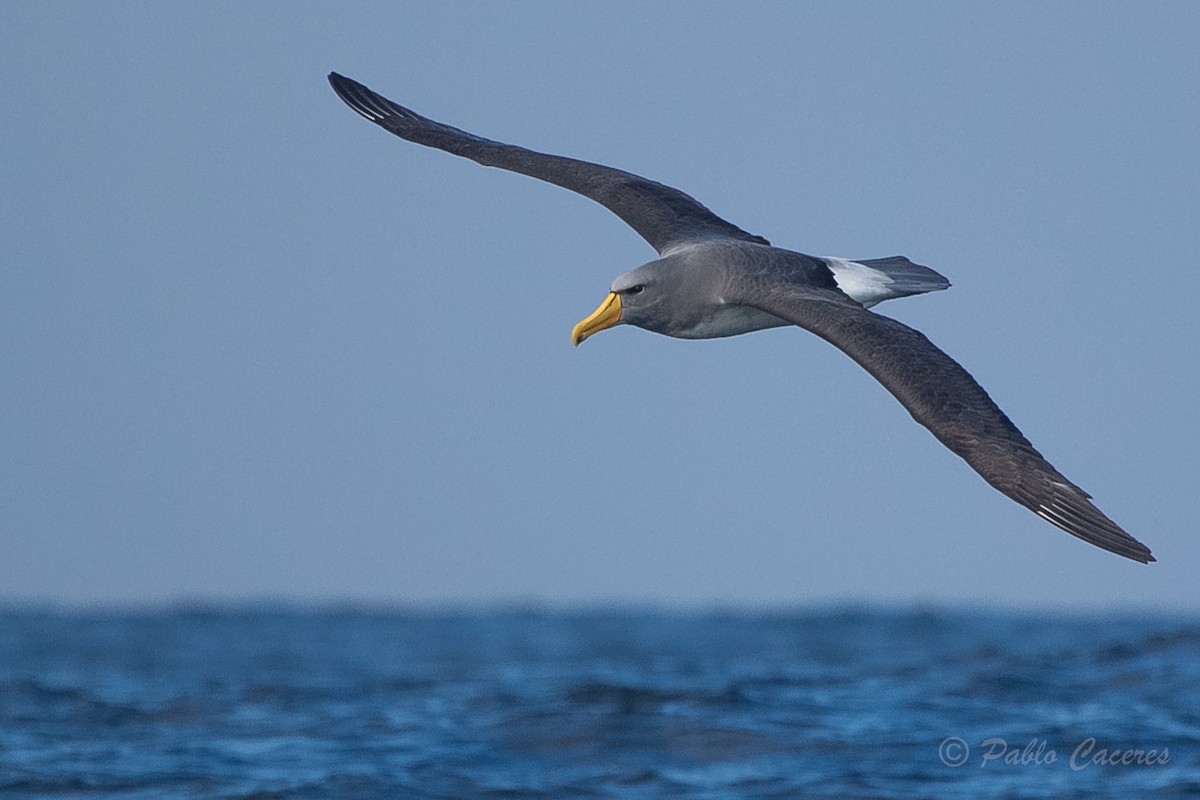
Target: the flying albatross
(713, 279)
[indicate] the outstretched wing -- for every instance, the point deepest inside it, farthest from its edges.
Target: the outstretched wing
(663, 216)
(943, 397)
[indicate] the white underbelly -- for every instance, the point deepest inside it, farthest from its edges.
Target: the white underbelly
(731, 320)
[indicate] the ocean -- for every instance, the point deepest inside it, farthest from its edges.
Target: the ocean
(824, 703)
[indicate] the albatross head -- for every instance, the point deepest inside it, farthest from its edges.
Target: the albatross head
(675, 296)
(646, 297)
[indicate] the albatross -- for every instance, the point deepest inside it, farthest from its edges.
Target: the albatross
(713, 279)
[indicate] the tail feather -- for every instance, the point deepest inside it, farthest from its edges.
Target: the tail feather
(873, 280)
(907, 276)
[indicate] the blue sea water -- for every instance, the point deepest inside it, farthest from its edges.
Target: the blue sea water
(832, 703)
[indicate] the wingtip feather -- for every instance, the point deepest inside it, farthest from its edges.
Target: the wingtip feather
(1084, 521)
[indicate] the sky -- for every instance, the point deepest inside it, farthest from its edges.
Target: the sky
(255, 348)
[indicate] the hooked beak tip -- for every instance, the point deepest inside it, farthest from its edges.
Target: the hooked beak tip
(607, 315)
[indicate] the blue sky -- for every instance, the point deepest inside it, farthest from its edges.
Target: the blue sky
(254, 347)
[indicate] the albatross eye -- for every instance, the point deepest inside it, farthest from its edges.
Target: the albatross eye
(634, 289)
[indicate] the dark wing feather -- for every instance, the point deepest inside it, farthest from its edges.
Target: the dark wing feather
(943, 397)
(663, 216)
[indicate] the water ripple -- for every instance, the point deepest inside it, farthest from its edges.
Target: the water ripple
(843, 703)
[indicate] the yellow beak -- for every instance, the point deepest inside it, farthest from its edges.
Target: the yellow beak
(607, 315)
